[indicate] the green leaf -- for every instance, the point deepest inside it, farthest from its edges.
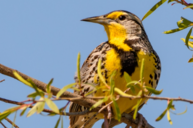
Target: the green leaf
(117, 90)
(90, 92)
(33, 95)
(23, 111)
(132, 83)
(14, 119)
(64, 89)
(4, 114)
(21, 79)
(131, 86)
(99, 72)
(78, 68)
(99, 102)
(32, 110)
(183, 23)
(190, 60)
(7, 112)
(189, 6)
(191, 37)
(190, 43)
(40, 107)
(153, 8)
(136, 108)
(170, 104)
(38, 91)
(112, 82)
(168, 117)
(117, 110)
(152, 90)
(139, 93)
(57, 123)
(52, 105)
(62, 122)
(173, 30)
(187, 37)
(127, 77)
(181, 112)
(162, 115)
(48, 88)
(142, 70)
(170, 1)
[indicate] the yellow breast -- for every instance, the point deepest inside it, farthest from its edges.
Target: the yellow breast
(113, 62)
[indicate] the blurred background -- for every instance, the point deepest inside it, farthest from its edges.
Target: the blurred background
(42, 38)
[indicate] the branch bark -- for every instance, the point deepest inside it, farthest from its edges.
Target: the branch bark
(75, 98)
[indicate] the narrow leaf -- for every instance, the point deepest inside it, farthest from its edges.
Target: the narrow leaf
(189, 6)
(62, 122)
(170, 1)
(186, 21)
(117, 110)
(99, 102)
(57, 123)
(190, 60)
(40, 107)
(14, 119)
(7, 112)
(38, 91)
(23, 111)
(99, 72)
(33, 95)
(64, 89)
(153, 8)
(117, 90)
(4, 114)
(142, 70)
(162, 115)
(191, 37)
(190, 43)
(183, 23)
(48, 89)
(181, 112)
(52, 105)
(152, 90)
(170, 104)
(112, 82)
(132, 83)
(168, 117)
(78, 68)
(136, 108)
(174, 30)
(127, 77)
(21, 79)
(32, 110)
(187, 37)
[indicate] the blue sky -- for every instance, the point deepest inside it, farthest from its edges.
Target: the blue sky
(42, 38)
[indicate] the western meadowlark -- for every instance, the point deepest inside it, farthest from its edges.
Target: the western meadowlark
(127, 45)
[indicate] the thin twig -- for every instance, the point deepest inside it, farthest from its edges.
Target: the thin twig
(3, 125)
(41, 85)
(8, 120)
(2, 80)
(183, 2)
(47, 110)
(159, 98)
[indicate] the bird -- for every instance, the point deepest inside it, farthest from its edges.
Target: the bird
(127, 45)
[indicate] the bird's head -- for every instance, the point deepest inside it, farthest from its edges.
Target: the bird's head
(119, 25)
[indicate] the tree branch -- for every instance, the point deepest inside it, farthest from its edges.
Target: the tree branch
(183, 2)
(8, 120)
(79, 100)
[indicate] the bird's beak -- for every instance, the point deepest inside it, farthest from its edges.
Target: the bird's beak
(98, 19)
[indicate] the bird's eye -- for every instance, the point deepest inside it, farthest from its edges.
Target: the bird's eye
(122, 17)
